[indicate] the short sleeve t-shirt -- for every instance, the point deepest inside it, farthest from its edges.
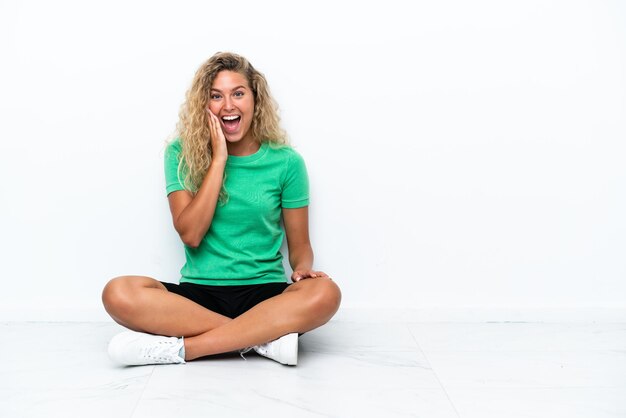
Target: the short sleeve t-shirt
(242, 245)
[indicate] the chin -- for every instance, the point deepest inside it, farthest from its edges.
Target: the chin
(232, 138)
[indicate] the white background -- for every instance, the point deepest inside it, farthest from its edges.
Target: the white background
(461, 154)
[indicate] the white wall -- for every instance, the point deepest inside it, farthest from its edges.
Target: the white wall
(461, 154)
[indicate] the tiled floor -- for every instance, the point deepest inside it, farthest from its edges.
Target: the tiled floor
(346, 369)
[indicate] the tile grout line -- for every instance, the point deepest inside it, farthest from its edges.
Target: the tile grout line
(132, 414)
(434, 372)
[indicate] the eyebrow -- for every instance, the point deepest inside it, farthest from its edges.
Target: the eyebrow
(238, 87)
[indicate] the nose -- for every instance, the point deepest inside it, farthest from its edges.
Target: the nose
(228, 103)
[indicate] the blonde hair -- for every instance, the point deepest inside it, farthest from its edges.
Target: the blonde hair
(193, 126)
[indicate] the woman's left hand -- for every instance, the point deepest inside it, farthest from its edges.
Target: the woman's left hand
(307, 274)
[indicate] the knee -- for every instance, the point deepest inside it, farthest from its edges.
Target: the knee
(326, 297)
(116, 296)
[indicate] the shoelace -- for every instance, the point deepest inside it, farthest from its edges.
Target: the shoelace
(160, 350)
(261, 349)
(244, 351)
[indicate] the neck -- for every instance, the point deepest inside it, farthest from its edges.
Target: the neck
(242, 148)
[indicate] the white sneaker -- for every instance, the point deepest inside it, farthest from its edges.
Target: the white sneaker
(137, 348)
(283, 350)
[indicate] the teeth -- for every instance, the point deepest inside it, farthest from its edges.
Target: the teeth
(230, 117)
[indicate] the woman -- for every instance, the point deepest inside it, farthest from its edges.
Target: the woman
(230, 176)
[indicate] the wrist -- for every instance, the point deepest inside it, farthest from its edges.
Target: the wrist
(218, 162)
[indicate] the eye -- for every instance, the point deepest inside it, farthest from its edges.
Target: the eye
(238, 94)
(215, 96)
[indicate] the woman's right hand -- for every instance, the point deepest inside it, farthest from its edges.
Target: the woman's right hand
(193, 213)
(218, 141)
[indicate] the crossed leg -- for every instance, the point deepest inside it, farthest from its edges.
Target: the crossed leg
(144, 304)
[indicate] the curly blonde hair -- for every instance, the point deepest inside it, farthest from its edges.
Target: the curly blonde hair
(193, 125)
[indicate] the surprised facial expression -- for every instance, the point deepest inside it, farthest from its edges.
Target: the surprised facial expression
(232, 101)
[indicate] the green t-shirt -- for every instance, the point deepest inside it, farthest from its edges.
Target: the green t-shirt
(242, 245)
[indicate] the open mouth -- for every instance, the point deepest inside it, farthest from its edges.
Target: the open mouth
(231, 123)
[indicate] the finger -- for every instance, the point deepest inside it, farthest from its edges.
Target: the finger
(217, 129)
(212, 117)
(211, 121)
(300, 277)
(304, 275)
(214, 125)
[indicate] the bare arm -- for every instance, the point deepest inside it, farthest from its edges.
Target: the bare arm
(192, 215)
(298, 242)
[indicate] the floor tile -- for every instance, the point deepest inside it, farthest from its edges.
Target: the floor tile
(529, 369)
(323, 384)
(59, 370)
(350, 336)
(345, 369)
(540, 403)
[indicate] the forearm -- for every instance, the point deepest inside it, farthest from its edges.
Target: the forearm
(301, 258)
(195, 220)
